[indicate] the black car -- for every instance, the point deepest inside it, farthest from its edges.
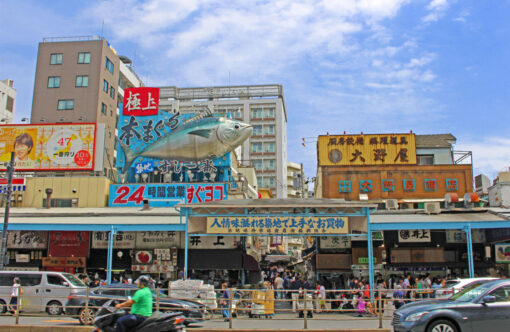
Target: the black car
(482, 307)
(75, 305)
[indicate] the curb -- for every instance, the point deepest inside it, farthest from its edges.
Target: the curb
(48, 328)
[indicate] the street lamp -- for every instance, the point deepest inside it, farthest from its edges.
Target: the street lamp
(3, 246)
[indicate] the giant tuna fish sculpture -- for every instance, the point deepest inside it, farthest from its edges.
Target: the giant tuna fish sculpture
(196, 139)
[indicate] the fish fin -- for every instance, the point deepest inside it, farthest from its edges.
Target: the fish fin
(129, 154)
(205, 133)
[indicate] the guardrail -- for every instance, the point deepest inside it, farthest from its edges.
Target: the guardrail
(243, 304)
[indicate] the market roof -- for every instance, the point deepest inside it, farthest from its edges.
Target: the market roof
(435, 141)
(281, 203)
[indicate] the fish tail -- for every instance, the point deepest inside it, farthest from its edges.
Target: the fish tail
(129, 154)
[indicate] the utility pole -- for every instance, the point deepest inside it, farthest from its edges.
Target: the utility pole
(3, 247)
(302, 182)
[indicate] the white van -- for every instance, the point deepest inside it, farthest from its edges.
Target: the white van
(42, 291)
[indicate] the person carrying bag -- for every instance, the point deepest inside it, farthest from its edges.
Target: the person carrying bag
(16, 292)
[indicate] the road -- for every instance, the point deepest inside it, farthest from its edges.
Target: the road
(281, 321)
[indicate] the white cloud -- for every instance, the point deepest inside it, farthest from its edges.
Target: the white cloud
(490, 155)
(436, 8)
(463, 15)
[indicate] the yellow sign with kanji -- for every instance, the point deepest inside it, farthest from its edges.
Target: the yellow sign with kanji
(356, 150)
(277, 225)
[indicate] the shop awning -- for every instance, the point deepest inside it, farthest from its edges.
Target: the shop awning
(250, 263)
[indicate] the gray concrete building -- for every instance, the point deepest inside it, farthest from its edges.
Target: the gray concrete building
(82, 80)
(262, 106)
(7, 101)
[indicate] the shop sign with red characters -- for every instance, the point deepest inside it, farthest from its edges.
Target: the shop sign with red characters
(141, 101)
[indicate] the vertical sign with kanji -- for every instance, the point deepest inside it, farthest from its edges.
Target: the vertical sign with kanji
(409, 185)
(430, 184)
(388, 185)
(344, 186)
(452, 184)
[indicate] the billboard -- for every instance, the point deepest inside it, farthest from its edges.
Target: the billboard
(277, 225)
(179, 148)
(49, 147)
(69, 243)
(357, 150)
(165, 194)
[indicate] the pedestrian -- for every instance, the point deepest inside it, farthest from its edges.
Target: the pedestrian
(427, 285)
(224, 301)
(16, 292)
(295, 286)
(278, 284)
(322, 298)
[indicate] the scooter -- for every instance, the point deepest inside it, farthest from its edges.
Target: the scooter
(107, 316)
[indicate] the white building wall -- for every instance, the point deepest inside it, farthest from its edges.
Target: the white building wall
(7, 90)
(442, 156)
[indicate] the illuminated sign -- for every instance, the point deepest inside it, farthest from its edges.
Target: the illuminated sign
(347, 150)
(49, 147)
(165, 194)
(277, 225)
(141, 101)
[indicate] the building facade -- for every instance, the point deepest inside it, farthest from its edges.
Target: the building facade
(82, 80)
(296, 184)
(7, 101)
(262, 106)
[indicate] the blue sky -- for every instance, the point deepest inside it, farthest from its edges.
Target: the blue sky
(430, 66)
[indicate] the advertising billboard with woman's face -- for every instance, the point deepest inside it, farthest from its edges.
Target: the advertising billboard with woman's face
(48, 147)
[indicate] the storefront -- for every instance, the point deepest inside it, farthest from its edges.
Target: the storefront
(26, 249)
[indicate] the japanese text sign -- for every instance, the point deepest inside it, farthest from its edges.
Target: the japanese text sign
(64, 262)
(414, 235)
(141, 101)
(157, 239)
(212, 242)
(27, 240)
(335, 242)
(49, 147)
(346, 150)
(166, 194)
(121, 240)
(69, 243)
(277, 225)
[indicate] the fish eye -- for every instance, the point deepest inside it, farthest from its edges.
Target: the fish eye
(236, 126)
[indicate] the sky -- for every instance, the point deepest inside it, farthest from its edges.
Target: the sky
(371, 66)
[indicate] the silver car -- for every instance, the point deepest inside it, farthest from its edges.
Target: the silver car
(484, 307)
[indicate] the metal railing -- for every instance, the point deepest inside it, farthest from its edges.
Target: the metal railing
(242, 304)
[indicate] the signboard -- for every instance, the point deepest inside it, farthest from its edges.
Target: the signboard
(166, 194)
(277, 225)
(49, 147)
(64, 261)
(349, 150)
(69, 243)
(17, 185)
(22, 258)
(502, 253)
(459, 236)
(335, 242)
(152, 240)
(180, 148)
(212, 242)
(414, 235)
(27, 240)
(376, 236)
(121, 240)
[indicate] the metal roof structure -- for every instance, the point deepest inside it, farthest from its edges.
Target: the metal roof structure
(435, 141)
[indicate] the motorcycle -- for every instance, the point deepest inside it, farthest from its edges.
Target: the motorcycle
(107, 316)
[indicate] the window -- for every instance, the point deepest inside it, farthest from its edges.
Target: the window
(103, 108)
(112, 92)
(425, 159)
(82, 81)
(257, 130)
(105, 86)
(9, 105)
(256, 113)
(56, 59)
(256, 147)
(60, 202)
(54, 82)
(108, 64)
(6, 279)
(257, 164)
(30, 279)
(55, 280)
(502, 294)
(269, 113)
(269, 130)
(269, 164)
(237, 114)
(259, 182)
(269, 147)
(66, 104)
(84, 57)
(122, 85)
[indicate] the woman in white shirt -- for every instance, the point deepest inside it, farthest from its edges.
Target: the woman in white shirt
(15, 294)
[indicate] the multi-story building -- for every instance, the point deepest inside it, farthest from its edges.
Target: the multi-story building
(262, 106)
(82, 80)
(7, 100)
(296, 184)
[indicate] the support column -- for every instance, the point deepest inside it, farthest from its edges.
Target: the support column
(469, 241)
(370, 247)
(111, 234)
(186, 240)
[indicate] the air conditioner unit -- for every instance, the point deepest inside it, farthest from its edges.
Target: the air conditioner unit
(391, 204)
(432, 208)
